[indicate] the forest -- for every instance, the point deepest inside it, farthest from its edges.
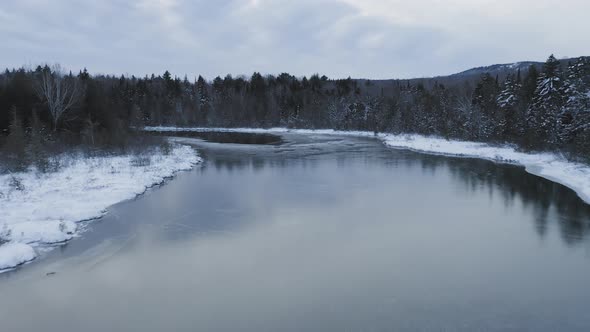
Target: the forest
(537, 108)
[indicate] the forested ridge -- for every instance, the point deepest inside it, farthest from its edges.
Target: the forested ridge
(540, 108)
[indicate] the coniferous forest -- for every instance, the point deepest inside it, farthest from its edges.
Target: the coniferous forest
(538, 107)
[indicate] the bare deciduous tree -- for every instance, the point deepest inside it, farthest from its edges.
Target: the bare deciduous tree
(59, 91)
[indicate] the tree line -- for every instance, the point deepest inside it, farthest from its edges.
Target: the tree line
(537, 108)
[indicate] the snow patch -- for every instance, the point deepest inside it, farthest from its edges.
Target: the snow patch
(46, 232)
(43, 209)
(15, 254)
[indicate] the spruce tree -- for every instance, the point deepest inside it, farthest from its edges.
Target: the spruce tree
(485, 101)
(543, 114)
(508, 96)
(203, 101)
(507, 118)
(529, 84)
(575, 114)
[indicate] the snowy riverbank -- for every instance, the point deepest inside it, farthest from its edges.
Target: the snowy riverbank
(41, 210)
(550, 166)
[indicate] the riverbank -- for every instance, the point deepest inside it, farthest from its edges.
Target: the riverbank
(553, 167)
(42, 210)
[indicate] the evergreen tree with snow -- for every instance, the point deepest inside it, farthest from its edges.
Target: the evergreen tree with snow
(542, 119)
(575, 114)
(203, 104)
(203, 95)
(529, 84)
(507, 118)
(508, 96)
(485, 101)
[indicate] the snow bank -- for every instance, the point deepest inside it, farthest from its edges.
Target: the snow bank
(46, 232)
(575, 176)
(42, 209)
(15, 254)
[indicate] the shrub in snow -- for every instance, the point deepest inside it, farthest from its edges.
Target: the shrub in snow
(16, 184)
(5, 233)
(140, 160)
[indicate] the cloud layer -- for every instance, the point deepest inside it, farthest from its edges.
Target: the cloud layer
(339, 38)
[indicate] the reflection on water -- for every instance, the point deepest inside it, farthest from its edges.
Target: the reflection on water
(321, 234)
(547, 201)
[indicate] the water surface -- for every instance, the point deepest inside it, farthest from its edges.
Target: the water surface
(224, 137)
(320, 234)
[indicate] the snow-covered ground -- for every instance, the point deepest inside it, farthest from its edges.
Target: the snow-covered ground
(547, 165)
(15, 254)
(40, 210)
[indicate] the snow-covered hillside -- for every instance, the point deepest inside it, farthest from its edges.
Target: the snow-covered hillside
(497, 69)
(41, 210)
(547, 165)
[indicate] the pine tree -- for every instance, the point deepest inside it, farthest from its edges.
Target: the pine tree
(507, 118)
(509, 95)
(83, 75)
(529, 85)
(203, 105)
(167, 77)
(542, 116)
(575, 114)
(484, 100)
(203, 96)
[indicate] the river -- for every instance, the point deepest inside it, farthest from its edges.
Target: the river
(320, 233)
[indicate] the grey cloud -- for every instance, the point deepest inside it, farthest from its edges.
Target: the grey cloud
(241, 36)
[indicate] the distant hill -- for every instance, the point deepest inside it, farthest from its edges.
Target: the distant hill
(498, 69)
(470, 75)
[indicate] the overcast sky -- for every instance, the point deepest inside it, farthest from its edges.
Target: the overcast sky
(338, 38)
